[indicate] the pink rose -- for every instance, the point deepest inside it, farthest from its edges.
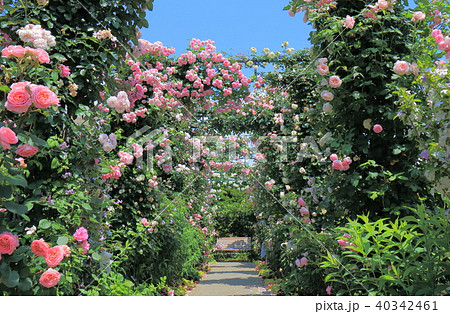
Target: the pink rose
(418, 16)
(304, 211)
(326, 95)
(40, 55)
(50, 278)
(13, 51)
(304, 261)
(126, 158)
(66, 250)
(54, 256)
(337, 164)
(349, 22)
(26, 150)
(301, 202)
(377, 128)
(335, 81)
(333, 157)
(401, 67)
(322, 69)
(85, 246)
(64, 70)
(7, 137)
(8, 243)
(81, 234)
(39, 247)
(297, 263)
(43, 97)
(383, 4)
(328, 290)
(18, 99)
(145, 222)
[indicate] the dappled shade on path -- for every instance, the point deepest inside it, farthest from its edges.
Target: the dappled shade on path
(231, 279)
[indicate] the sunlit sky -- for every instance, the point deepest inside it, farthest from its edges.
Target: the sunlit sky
(234, 25)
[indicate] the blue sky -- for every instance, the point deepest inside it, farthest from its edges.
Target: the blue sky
(234, 25)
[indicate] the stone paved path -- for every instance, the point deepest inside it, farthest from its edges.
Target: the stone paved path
(230, 278)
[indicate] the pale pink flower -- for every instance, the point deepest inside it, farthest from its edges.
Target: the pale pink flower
(335, 81)
(418, 16)
(145, 222)
(126, 158)
(326, 95)
(334, 157)
(328, 290)
(349, 22)
(401, 67)
(383, 4)
(322, 69)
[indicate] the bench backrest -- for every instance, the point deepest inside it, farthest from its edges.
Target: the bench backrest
(234, 244)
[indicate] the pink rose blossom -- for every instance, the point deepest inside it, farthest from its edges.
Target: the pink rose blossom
(50, 278)
(54, 256)
(297, 263)
(7, 137)
(145, 222)
(304, 261)
(126, 158)
(328, 290)
(383, 4)
(26, 150)
(66, 250)
(337, 164)
(349, 22)
(335, 81)
(43, 97)
(8, 243)
(333, 157)
(418, 16)
(85, 246)
(304, 211)
(39, 247)
(64, 70)
(301, 202)
(322, 69)
(81, 234)
(326, 95)
(401, 67)
(18, 99)
(377, 128)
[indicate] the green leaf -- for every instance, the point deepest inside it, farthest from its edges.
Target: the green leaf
(5, 191)
(63, 240)
(25, 284)
(96, 256)
(55, 163)
(4, 88)
(11, 280)
(44, 224)
(16, 180)
(15, 208)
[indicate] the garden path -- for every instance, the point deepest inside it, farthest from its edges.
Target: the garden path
(231, 279)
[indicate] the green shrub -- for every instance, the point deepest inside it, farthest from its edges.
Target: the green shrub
(408, 256)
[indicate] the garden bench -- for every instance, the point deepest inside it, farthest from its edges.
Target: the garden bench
(233, 244)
